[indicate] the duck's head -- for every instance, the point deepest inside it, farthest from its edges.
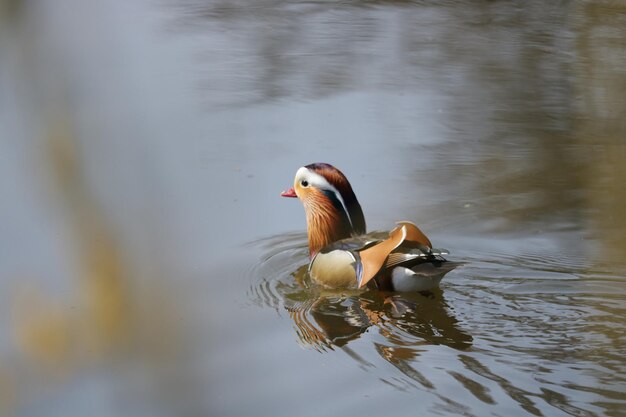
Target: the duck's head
(332, 210)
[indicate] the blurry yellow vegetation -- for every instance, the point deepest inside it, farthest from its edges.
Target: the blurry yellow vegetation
(58, 334)
(43, 328)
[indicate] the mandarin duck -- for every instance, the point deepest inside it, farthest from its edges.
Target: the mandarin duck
(342, 255)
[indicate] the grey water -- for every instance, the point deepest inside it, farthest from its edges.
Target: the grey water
(149, 267)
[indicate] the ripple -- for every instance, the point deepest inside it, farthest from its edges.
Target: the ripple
(516, 331)
(332, 318)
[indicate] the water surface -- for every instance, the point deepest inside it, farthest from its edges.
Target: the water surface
(149, 266)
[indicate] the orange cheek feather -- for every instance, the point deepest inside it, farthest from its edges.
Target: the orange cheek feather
(323, 221)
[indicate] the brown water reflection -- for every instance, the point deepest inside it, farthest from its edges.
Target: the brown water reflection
(327, 319)
(143, 145)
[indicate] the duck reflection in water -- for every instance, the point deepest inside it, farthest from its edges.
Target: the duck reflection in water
(333, 318)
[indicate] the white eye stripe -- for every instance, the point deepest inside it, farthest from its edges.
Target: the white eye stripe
(315, 179)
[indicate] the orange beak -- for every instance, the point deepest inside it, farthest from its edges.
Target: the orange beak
(289, 193)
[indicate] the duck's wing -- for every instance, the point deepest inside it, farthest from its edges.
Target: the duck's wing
(414, 234)
(408, 256)
(415, 249)
(372, 258)
(406, 246)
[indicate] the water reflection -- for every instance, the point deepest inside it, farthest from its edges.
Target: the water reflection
(326, 319)
(526, 311)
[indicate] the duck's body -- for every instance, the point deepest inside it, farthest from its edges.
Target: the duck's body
(344, 256)
(408, 267)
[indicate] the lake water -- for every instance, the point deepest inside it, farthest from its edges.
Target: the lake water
(150, 268)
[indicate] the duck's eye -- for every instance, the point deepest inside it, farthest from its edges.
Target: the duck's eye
(304, 183)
